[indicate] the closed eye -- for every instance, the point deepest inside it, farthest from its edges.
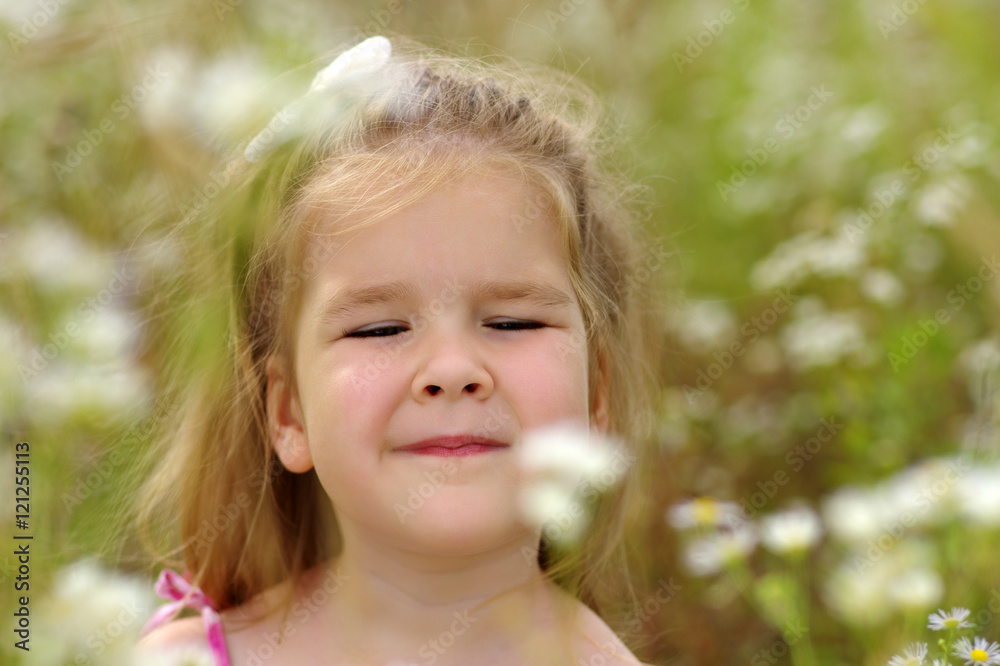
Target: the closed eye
(389, 331)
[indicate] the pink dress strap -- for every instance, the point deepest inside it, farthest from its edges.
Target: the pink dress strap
(171, 585)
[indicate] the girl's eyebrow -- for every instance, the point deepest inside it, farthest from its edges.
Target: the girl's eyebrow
(348, 301)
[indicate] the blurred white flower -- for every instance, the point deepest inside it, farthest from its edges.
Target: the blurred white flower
(916, 589)
(857, 595)
(982, 355)
(560, 463)
(213, 97)
(823, 339)
(118, 390)
(978, 496)
(914, 655)
(854, 514)
(703, 512)
(806, 254)
(947, 621)
(940, 202)
(882, 286)
(711, 554)
(57, 258)
(865, 125)
(91, 613)
(103, 334)
(703, 325)
(793, 531)
(925, 492)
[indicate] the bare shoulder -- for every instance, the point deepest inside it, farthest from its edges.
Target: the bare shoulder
(178, 633)
(596, 642)
(601, 643)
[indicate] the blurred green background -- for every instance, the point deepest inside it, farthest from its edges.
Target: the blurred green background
(824, 175)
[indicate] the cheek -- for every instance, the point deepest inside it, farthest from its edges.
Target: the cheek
(553, 381)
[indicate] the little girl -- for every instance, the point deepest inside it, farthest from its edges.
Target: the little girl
(416, 263)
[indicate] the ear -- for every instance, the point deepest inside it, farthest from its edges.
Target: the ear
(600, 415)
(284, 420)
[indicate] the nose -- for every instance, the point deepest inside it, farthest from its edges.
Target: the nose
(452, 367)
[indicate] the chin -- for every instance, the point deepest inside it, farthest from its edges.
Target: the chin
(463, 532)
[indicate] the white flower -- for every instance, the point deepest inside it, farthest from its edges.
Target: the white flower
(916, 589)
(560, 461)
(808, 253)
(795, 530)
(978, 495)
(709, 555)
(914, 655)
(956, 619)
(854, 514)
(882, 286)
(939, 203)
(977, 652)
(702, 512)
(865, 125)
(58, 258)
(92, 613)
(823, 339)
(856, 594)
(704, 325)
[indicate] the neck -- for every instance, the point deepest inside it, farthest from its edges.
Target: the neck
(415, 603)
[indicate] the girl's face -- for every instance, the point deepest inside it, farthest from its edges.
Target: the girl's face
(453, 317)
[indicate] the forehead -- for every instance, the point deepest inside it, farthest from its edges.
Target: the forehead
(435, 211)
(479, 227)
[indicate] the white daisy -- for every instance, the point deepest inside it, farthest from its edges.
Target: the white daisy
(702, 512)
(977, 651)
(713, 553)
(942, 620)
(795, 530)
(914, 655)
(559, 463)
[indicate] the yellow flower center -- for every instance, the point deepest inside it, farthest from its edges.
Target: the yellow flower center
(951, 623)
(978, 655)
(705, 510)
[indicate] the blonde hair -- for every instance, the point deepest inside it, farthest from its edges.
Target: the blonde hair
(245, 523)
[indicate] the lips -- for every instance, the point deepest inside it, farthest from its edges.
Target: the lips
(454, 445)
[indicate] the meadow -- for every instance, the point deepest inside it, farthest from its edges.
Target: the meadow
(825, 182)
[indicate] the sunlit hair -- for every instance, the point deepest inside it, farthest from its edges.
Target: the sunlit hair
(244, 522)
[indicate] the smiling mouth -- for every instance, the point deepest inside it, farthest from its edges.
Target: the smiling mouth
(459, 445)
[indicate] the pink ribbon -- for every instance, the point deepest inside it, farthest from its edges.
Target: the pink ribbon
(171, 585)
